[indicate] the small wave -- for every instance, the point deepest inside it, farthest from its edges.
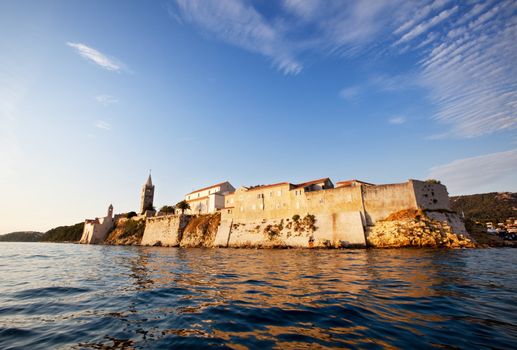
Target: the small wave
(48, 292)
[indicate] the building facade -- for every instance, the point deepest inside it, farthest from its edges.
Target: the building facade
(208, 199)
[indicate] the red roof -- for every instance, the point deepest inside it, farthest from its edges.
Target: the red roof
(313, 182)
(207, 188)
(350, 182)
(267, 186)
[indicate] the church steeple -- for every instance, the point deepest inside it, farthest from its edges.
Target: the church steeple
(147, 195)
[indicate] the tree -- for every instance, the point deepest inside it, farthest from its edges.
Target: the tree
(131, 214)
(168, 209)
(183, 205)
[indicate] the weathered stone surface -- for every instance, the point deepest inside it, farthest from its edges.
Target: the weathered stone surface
(416, 228)
(200, 231)
(165, 230)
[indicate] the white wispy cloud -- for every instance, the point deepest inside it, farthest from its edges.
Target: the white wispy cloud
(397, 120)
(106, 99)
(350, 93)
(101, 124)
(240, 24)
(97, 57)
(466, 50)
(425, 26)
(486, 173)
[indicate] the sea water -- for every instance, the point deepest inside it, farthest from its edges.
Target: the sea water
(100, 297)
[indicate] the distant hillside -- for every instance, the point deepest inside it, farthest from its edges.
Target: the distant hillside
(23, 236)
(64, 233)
(484, 207)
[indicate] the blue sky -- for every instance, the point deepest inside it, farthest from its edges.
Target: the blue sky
(94, 94)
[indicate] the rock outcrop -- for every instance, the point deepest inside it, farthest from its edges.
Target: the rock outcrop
(126, 232)
(416, 228)
(200, 231)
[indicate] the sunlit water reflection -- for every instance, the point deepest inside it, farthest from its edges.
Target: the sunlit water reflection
(76, 296)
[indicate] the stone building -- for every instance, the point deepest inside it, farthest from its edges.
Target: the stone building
(147, 197)
(208, 199)
(96, 230)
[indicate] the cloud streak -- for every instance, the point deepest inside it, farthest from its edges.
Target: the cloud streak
(464, 52)
(397, 120)
(486, 173)
(97, 57)
(103, 125)
(106, 99)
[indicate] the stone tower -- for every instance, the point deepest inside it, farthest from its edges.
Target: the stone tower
(147, 196)
(110, 211)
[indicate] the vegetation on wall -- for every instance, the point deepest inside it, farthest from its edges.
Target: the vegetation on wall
(433, 181)
(126, 232)
(167, 209)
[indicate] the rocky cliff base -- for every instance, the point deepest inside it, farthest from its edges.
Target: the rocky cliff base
(415, 228)
(200, 231)
(126, 232)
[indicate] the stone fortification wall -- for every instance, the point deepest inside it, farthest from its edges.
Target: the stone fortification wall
(321, 230)
(95, 232)
(164, 230)
(430, 196)
(380, 201)
(283, 216)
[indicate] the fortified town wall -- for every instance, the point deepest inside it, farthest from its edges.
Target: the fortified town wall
(328, 217)
(287, 215)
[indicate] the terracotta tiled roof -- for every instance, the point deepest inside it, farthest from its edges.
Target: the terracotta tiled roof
(313, 182)
(349, 182)
(267, 186)
(207, 188)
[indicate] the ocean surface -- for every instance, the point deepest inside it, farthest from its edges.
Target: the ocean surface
(101, 297)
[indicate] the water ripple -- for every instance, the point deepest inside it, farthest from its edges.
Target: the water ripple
(101, 297)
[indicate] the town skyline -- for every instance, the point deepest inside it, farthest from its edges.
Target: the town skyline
(92, 95)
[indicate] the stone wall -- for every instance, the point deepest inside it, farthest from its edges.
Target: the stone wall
(430, 195)
(164, 230)
(341, 229)
(380, 201)
(95, 231)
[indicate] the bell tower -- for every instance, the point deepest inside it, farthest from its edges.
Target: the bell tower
(147, 195)
(110, 211)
